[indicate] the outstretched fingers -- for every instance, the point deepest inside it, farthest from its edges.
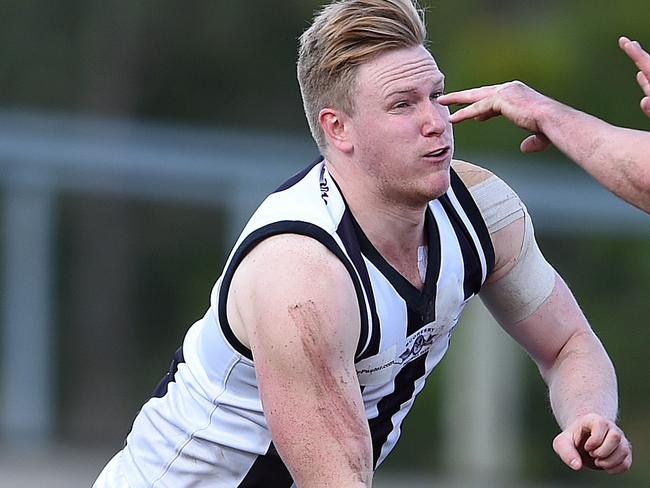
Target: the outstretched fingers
(480, 103)
(641, 59)
(644, 82)
(645, 106)
(636, 53)
(481, 110)
(471, 95)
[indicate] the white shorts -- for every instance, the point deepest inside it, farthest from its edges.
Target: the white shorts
(112, 476)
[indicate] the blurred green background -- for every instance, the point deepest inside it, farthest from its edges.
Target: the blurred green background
(231, 65)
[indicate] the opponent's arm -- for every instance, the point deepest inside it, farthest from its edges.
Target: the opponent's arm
(642, 60)
(294, 303)
(537, 309)
(618, 158)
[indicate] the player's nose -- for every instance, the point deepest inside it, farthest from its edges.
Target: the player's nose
(435, 119)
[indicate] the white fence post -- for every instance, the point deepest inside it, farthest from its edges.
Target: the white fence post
(482, 401)
(26, 364)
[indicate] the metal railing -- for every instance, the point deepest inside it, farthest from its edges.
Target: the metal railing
(43, 155)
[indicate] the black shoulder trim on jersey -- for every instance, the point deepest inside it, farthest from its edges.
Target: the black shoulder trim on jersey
(267, 470)
(474, 214)
(471, 260)
(350, 240)
(298, 176)
(276, 228)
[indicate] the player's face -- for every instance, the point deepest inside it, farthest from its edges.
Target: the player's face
(402, 136)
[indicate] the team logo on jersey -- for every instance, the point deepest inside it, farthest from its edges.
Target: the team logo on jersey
(418, 344)
(324, 187)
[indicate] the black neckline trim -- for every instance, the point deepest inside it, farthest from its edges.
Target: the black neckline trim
(420, 301)
(423, 302)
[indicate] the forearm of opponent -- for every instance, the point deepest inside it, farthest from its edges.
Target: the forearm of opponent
(617, 157)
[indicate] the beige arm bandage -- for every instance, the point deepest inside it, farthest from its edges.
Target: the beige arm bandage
(530, 281)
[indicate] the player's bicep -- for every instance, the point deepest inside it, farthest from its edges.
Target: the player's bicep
(523, 279)
(524, 293)
(300, 312)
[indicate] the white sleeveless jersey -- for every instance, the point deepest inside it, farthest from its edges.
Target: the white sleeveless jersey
(205, 425)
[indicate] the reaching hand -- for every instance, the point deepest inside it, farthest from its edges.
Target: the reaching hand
(595, 442)
(642, 60)
(514, 100)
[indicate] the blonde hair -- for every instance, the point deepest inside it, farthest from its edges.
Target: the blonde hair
(345, 34)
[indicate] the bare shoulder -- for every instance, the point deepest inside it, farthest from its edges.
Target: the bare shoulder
(285, 273)
(469, 173)
(296, 310)
(293, 257)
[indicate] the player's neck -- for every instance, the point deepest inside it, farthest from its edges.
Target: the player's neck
(395, 229)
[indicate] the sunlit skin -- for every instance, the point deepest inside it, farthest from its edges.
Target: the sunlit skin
(392, 155)
(399, 123)
(396, 126)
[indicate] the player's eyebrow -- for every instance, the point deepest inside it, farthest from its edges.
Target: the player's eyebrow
(406, 91)
(437, 81)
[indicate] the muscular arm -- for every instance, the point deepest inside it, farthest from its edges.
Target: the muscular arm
(618, 158)
(294, 304)
(555, 333)
(581, 382)
(570, 357)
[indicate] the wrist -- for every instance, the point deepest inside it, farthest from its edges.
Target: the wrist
(588, 417)
(552, 115)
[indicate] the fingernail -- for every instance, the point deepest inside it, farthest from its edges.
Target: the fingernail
(574, 463)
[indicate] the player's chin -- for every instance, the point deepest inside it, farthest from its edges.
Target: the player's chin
(439, 183)
(433, 192)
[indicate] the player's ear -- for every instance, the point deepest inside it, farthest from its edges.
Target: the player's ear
(335, 126)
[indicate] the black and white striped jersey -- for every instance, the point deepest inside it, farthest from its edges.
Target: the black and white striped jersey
(206, 427)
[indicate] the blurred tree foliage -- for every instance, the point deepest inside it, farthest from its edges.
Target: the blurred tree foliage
(233, 63)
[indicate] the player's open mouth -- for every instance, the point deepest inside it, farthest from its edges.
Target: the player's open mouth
(438, 153)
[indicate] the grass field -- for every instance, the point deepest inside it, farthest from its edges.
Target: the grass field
(68, 467)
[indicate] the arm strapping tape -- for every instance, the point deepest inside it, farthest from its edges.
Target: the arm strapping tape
(530, 281)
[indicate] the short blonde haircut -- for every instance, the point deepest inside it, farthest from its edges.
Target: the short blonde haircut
(345, 34)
